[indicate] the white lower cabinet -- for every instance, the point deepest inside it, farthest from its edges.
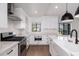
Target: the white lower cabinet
(13, 51)
(32, 40)
(56, 50)
(59, 51)
(51, 49)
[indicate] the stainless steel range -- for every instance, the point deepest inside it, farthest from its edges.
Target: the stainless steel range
(9, 36)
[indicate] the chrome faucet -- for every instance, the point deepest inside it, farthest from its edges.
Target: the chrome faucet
(76, 35)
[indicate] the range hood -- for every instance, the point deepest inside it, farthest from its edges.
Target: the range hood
(13, 13)
(14, 17)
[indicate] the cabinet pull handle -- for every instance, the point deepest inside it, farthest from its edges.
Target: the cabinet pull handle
(9, 52)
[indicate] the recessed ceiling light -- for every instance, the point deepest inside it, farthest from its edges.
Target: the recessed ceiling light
(35, 11)
(56, 7)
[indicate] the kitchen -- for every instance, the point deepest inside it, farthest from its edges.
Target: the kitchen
(38, 29)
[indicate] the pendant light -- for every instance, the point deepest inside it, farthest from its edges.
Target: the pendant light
(67, 17)
(77, 12)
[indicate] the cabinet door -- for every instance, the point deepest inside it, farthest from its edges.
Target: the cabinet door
(51, 47)
(58, 51)
(13, 51)
(3, 15)
(44, 39)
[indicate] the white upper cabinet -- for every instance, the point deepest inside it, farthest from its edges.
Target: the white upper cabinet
(3, 15)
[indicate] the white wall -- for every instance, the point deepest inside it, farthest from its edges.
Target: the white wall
(47, 22)
(19, 27)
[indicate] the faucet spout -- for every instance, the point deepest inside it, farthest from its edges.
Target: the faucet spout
(76, 35)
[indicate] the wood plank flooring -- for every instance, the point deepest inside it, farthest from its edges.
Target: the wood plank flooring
(38, 50)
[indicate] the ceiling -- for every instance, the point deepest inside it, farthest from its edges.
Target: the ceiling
(47, 9)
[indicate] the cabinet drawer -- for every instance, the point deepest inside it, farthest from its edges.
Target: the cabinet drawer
(13, 51)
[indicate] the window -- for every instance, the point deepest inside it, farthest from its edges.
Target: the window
(36, 27)
(64, 28)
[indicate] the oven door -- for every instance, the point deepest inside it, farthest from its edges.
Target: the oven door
(22, 48)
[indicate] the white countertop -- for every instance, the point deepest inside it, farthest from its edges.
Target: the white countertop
(70, 47)
(6, 45)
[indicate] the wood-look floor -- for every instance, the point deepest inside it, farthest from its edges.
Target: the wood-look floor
(38, 50)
